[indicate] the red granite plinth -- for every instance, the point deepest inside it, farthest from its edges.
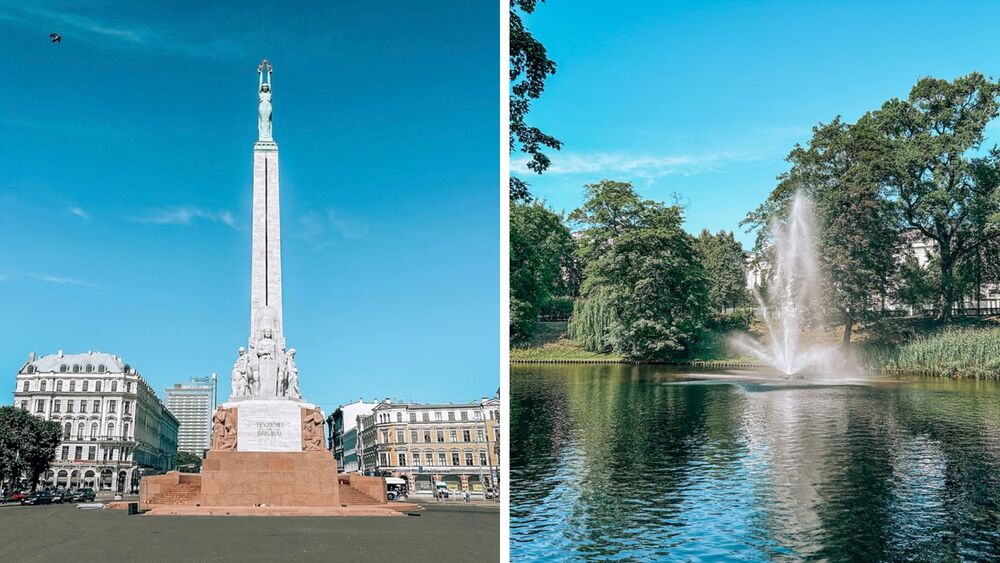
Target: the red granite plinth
(303, 479)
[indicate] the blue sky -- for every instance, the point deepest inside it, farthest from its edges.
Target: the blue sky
(126, 188)
(705, 99)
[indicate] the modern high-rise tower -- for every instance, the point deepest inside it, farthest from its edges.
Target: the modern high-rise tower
(193, 404)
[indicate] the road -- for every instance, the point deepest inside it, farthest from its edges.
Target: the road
(65, 533)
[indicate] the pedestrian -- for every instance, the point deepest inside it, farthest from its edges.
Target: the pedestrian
(467, 495)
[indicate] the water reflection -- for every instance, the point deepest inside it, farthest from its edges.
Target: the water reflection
(643, 462)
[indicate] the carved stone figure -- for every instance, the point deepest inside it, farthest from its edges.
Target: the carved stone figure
(312, 431)
(291, 376)
(240, 381)
(223, 430)
(264, 107)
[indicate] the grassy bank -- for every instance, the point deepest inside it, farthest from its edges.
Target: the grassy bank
(968, 347)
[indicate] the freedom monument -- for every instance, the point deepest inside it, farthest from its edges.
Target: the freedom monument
(268, 447)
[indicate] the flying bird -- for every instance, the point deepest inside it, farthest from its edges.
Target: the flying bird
(56, 38)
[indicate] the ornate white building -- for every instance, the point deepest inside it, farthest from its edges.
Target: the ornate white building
(115, 428)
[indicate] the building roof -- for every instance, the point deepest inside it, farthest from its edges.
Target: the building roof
(51, 363)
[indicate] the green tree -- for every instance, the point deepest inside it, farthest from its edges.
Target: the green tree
(27, 446)
(644, 290)
(724, 261)
(541, 250)
(188, 462)
(944, 193)
(529, 67)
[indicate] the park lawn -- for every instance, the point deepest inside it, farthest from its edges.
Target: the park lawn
(552, 343)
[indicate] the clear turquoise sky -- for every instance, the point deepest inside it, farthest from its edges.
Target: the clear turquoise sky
(126, 185)
(705, 99)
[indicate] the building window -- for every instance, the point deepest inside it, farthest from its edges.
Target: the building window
(101, 369)
(442, 458)
(83, 406)
(429, 457)
(466, 436)
(399, 417)
(112, 405)
(86, 386)
(480, 435)
(478, 415)
(111, 429)
(385, 436)
(62, 368)
(42, 388)
(39, 406)
(79, 452)
(413, 417)
(76, 369)
(402, 459)
(465, 416)
(27, 386)
(69, 406)
(482, 457)
(125, 431)
(65, 451)
(55, 405)
(414, 435)
(24, 405)
(468, 457)
(72, 386)
(97, 386)
(427, 435)
(128, 386)
(451, 416)
(416, 457)
(92, 451)
(426, 417)
(440, 435)
(31, 369)
(79, 432)
(114, 386)
(400, 437)
(453, 435)
(93, 432)
(437, 417)
(89, 368)
(67, 431)
(128, 405)
(384, 459)
(97, 407)
(59, 385)
(454, 457)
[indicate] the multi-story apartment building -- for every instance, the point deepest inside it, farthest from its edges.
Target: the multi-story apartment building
(454, 445)
(193, 404)
(343, 440)
(114, 426)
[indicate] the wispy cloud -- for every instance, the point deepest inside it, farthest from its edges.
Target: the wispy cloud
(185, 216)
(635, 165)
(158, 38)
(79, 212)
(48, 278)
(325, 228)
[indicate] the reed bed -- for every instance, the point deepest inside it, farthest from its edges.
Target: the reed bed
(951, 352)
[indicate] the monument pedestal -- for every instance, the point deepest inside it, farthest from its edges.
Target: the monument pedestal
(234, 478)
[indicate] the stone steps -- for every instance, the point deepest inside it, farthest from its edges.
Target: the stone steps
(354, 497)
(184, 493)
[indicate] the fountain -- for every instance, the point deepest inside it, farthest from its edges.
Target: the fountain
(794, 292)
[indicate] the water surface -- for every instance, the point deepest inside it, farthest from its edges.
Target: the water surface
(654, 463)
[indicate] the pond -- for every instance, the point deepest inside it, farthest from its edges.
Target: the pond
(658, 463)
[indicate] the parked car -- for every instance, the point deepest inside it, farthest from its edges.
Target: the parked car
(491, 493)
(38, 497)
(85, 494)
(64, 495)
(15, 497)
(395, 488)
(56, 497)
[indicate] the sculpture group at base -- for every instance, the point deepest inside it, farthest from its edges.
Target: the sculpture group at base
(266, 370)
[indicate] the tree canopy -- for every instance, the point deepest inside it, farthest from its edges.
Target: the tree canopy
(644, 289)
(27, 446)
(529, 67)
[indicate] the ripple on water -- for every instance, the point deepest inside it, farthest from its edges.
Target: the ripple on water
(645, 463)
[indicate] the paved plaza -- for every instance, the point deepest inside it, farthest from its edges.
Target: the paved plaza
(445, 532)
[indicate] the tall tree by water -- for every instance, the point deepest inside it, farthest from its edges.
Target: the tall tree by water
(541, 252)
(724, 261)
(529, 67)
(644, 291)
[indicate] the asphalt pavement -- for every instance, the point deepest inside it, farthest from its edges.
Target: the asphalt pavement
(441, 532)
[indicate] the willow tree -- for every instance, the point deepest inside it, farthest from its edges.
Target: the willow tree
(644, 290)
